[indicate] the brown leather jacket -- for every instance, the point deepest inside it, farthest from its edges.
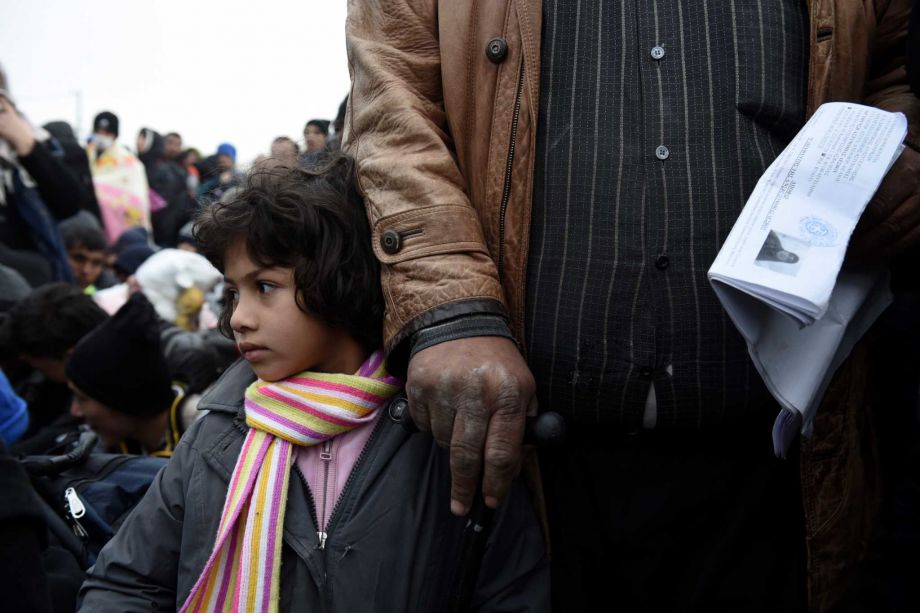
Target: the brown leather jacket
(443, 121)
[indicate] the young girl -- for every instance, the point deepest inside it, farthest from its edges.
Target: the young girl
(300, 490)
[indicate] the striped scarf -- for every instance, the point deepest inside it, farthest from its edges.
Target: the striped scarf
(306, 409)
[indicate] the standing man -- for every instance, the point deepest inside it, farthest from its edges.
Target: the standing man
(555, 178)
(172, 146)
(315, 133)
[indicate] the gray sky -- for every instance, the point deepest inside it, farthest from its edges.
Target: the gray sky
(237, 71)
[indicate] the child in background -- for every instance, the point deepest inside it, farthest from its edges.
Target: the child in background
(86, 246)
(299, 490)
(122, 385)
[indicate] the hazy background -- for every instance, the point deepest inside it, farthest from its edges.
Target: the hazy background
(234, 71)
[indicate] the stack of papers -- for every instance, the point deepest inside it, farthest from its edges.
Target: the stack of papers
(778, 273)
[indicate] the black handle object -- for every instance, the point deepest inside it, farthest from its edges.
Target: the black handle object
(41, 465)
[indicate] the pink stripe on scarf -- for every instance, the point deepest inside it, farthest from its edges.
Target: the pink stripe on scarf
(225, 580)
(306, 408)
(273, 522)
(298, 428)
(338, 387)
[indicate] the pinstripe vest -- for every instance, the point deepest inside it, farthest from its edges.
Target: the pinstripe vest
(656, 120)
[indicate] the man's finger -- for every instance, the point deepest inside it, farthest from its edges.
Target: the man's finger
(897, 186)
(880, 240)
(909, 240)
(469, 434)
(503, 449)
(418, 409)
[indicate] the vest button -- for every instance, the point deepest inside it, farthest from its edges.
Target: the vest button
(391, 242)
(496, 49)
(662, 262)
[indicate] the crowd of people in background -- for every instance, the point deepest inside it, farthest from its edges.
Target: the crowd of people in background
(84, 229)
(100, 275)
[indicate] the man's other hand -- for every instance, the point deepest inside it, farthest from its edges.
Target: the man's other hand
(891, 221)
(472, 394)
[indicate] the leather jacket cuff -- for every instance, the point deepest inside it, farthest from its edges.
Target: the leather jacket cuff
(461, 327)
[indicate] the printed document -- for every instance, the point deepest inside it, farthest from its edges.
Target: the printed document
(778, 275)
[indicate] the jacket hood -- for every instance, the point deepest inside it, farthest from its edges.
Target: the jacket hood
(62, 131)
(153, 147)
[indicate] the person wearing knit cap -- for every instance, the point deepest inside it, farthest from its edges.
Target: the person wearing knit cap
(226, 177)
(105, 130)
(120, 180)
(121, 383)
(130, 259)
(228, 151)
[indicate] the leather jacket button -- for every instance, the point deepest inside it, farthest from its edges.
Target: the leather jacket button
(662, 262)
(496, 49)
(391, 242)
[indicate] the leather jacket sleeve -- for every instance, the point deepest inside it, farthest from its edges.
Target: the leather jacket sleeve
(426, 233)
(887, 86)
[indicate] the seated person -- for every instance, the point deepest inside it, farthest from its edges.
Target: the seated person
(85, 243)
(40, 331)
(299, 490)
(122, 387)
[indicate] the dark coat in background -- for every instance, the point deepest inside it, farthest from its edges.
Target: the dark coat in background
(63, 144)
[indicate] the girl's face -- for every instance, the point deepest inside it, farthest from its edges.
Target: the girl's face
(272, 333)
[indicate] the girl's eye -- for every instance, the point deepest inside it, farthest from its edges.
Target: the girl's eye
(231, 295)
(266, 288)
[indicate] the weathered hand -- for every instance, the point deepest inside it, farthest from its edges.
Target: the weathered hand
(891, 221)
(14, 129)
(473, 395)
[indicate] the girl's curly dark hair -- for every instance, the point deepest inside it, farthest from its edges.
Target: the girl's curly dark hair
(311, 220)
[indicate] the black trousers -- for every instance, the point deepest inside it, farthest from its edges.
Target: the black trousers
(674, 521)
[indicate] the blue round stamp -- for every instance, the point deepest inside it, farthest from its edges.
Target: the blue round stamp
(818, 232)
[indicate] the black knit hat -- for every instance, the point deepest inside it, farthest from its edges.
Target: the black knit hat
(106, 120)
(121, 363)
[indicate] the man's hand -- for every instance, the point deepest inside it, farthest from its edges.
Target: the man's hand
(14, 129)
(473, 394)
(891, 222)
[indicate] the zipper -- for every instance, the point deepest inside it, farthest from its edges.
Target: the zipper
(311, 504)
(506, 190)
(325, 456)
(74, 509)
(108, 468)
(354, 471)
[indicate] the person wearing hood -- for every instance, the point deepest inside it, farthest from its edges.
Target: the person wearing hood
(119, 179)
(36, 190)
(167, 179)
(63, 144)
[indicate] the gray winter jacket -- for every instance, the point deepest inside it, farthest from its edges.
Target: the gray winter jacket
(391, 540)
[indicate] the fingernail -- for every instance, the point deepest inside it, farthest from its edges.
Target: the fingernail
(457, 508)
(492, 502)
